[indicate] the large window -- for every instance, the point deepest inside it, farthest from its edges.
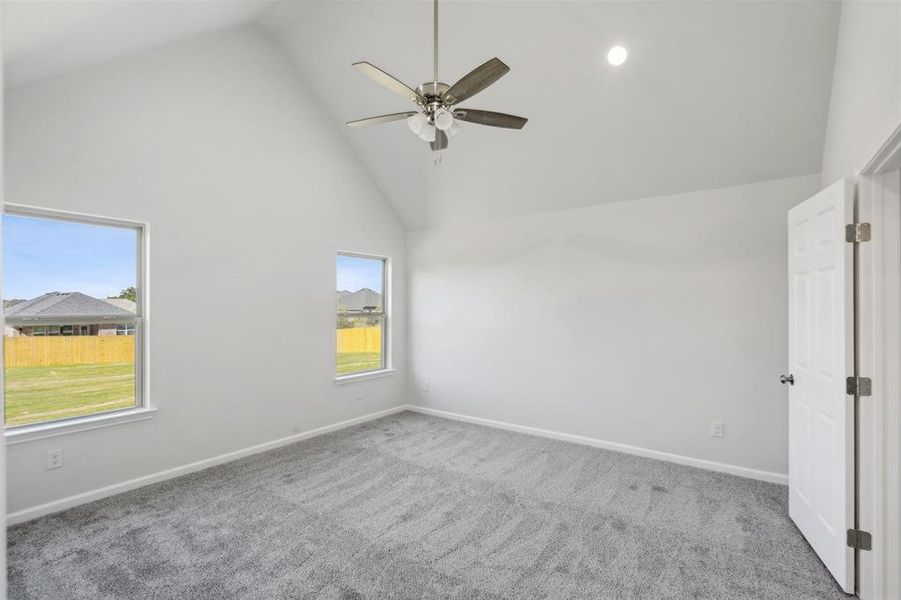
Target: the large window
(361, 315)
(72, 297)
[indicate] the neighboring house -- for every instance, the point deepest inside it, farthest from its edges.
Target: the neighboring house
(125, 303)
(361, 301)
(69, 313)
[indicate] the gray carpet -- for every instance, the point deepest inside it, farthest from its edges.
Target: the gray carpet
(418, 507)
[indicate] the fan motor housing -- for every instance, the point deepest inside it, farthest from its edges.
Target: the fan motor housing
(432, 91)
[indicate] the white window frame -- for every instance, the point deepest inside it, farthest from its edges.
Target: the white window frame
(142, 410)
(387, 366)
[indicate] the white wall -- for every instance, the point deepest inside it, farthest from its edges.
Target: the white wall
(2, 446)
(866, 87)
(638, 322)
(248, 191)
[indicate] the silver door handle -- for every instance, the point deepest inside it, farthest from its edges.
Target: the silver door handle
(789, 379)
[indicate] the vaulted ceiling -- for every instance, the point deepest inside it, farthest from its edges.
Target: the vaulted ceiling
(713, 94)
(43, 38)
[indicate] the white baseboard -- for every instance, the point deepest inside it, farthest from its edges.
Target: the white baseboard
(624, 448)
(118, 488)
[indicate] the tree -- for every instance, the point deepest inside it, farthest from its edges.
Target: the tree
(129, 293)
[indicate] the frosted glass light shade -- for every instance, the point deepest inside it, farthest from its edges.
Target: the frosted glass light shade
(444, 120)
(416, 123)
(428, 133)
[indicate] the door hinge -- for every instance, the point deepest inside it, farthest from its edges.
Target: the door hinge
(859, 386)
(861, 540)
(857, 232)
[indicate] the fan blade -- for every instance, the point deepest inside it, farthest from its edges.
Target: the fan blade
(440, 142)
(386, 80)
(475, 81)
(380, 119)
(486, 117)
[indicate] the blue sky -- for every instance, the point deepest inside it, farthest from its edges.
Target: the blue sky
(43, 255)
(356, 273)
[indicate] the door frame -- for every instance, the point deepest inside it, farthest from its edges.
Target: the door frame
(879, 343)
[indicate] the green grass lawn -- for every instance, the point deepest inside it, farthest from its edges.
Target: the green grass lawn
(49, 393)
(35, 394)
(354, 362)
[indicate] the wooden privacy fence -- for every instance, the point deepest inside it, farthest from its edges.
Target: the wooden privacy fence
(360, 339)
(25, 351)
(49, 351)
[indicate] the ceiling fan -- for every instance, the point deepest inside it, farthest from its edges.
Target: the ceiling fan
(434, 119)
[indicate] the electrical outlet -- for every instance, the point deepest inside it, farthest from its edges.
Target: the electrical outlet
(717, 429)
(358, 393)
(54, 459)
(426, 386)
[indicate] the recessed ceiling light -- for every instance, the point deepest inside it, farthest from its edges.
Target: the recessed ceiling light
(617, 56)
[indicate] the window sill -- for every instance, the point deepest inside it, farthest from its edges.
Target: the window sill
(342, 379)
(40, 431)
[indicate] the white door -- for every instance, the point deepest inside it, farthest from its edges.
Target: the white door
(821, 418)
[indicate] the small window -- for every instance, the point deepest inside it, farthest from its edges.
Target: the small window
(43, 330)
(361, 298)
(65, 275)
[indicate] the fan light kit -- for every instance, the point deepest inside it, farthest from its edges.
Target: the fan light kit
(436, 115)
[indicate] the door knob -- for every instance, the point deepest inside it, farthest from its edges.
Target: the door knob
(789, 379)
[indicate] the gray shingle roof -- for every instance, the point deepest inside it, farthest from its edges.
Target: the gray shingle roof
(356, 301)
(65, 304)
(125, 303)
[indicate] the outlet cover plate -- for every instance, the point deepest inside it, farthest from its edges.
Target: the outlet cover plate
(54, 459)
